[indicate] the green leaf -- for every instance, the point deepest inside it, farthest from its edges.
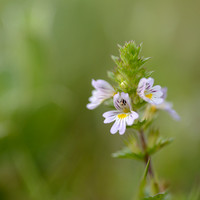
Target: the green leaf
(145, 59)
(156, 197)
(146, 171)
(116, 59)
(138, 125)
(159, 145)
(148, 74)
(143, 182)
(153, 136)
(127, 153)
(111, 75)
(148, 123)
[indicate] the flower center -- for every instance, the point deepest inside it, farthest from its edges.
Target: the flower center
(149, 96)
(122, 116)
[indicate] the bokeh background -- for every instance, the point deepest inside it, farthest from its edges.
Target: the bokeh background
(51, 146)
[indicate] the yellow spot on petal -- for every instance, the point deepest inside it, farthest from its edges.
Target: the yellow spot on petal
(149, 96)
(122, 116)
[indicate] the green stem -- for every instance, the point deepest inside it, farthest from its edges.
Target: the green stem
(147, 156)
(155, 185)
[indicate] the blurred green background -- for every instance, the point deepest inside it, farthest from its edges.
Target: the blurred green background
(51, 146)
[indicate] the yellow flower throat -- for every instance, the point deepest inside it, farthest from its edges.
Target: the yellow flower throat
(122, 116)
(149, 96)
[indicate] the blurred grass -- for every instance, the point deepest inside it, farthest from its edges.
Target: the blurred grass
(51, 147)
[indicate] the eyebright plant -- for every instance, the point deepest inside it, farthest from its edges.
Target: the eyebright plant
(136, 102)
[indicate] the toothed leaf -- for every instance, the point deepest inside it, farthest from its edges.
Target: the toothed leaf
(159, 145)
(127, 153)
(157, 197)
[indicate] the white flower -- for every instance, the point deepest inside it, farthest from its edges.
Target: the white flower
(167, 106)
(103, 90)
(148, 92)
(122, 116)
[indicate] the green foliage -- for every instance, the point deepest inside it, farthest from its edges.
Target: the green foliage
(159, 145)
(157, 197)
(127, 153)
(153, 136)
(155, 142)
(143, 193)
(143, 181)
(138, 125)
(111, 75)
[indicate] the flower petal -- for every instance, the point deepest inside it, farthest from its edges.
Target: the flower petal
(102, 86)
(156, 88)
(110, 116)
(149, 83)
(110, 113)
(174, 114)
(122, 127)
(156, 100)
(109, 120)
(103, 90)
(167, 106)
(92, 106)
(131, 118)
(116, 101)
(164, 91)
(115, 127)
(141, 86)
(156, 93)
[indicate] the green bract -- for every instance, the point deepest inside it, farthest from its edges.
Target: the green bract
(129, 70)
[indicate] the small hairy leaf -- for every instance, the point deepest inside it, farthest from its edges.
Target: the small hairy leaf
(127, 153)
(115, 59)
(159, 145)
(148, 74)
(157, 197)
(143, 182)
(138, 125)
(111, 75)
(153, 136)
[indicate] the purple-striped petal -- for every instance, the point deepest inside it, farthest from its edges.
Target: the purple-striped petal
(115, 127)
(131, 118)
(122, 127)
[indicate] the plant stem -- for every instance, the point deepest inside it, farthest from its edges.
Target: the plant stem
(147, 157)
